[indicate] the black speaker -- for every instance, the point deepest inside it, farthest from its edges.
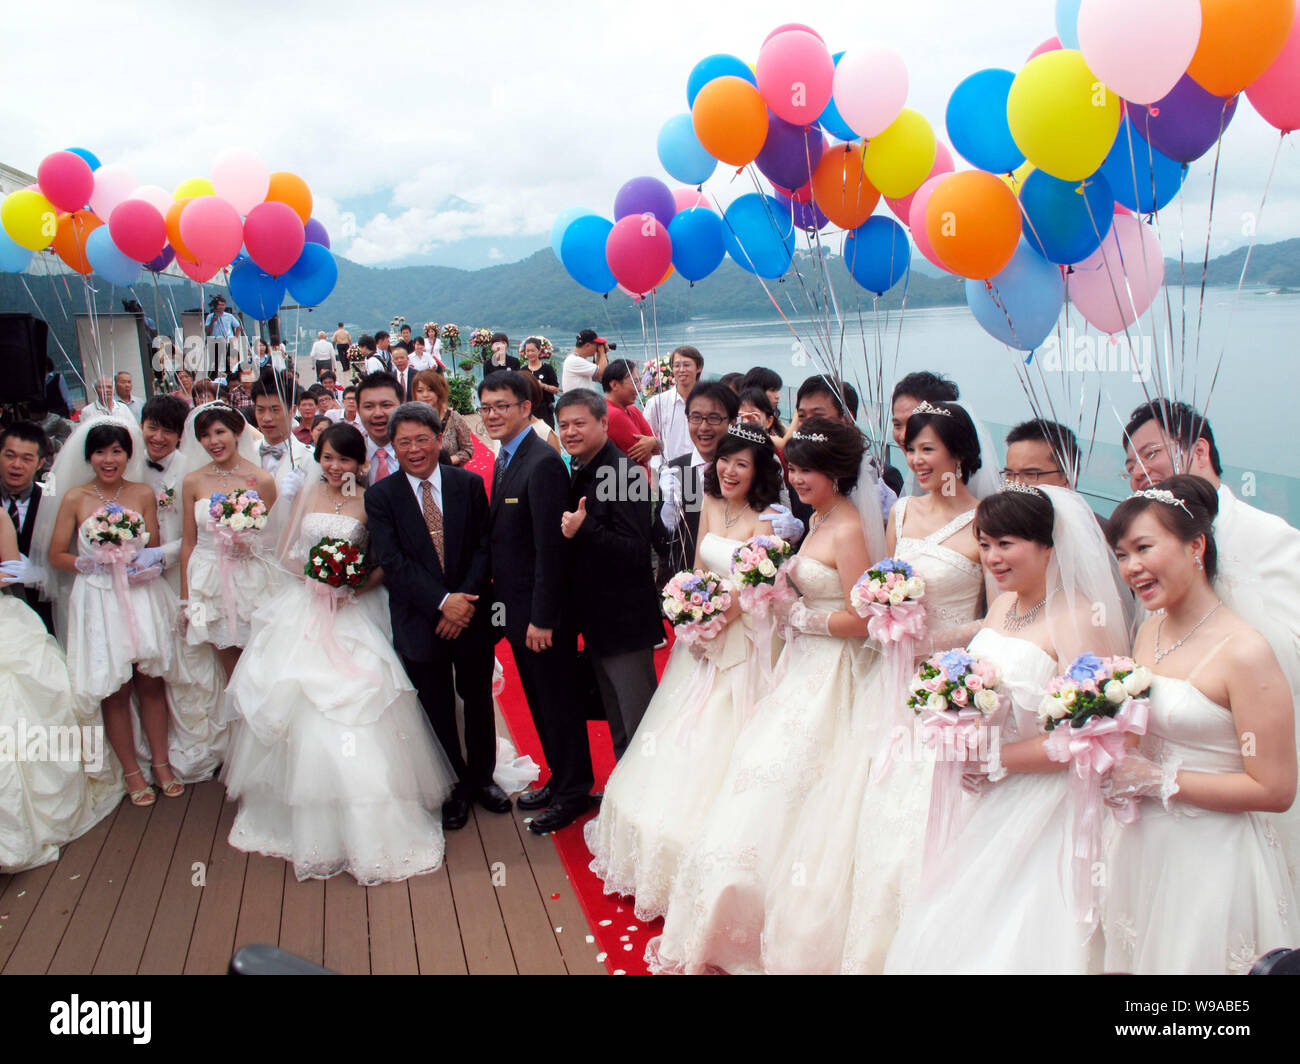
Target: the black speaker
(23, 340)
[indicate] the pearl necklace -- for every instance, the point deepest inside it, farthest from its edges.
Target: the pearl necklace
(1162, 654)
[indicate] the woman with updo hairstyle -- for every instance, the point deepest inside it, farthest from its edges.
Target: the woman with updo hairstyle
(783, 792)
(744, 470)
(1217, 757)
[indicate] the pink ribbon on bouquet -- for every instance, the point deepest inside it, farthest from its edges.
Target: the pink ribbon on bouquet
(325, 604)
(117, 556)
(231, 545)
(897, 629)
(951, 733)
(762, 602)
(1092, 751)
(894, 624)
(699, 639)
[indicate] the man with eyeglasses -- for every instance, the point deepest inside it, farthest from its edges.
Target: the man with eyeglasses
(666, 413)
(530, 588)
(1040, 452)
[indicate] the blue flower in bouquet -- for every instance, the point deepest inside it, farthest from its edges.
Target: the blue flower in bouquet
(1084, 668)
(894, 565)
(114, 508)
(955, 662)
(217, 496)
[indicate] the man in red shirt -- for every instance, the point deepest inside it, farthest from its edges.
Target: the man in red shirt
(628, 427)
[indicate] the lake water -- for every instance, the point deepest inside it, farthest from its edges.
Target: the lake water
(1078, 377)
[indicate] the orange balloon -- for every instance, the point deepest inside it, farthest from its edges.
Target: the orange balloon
(730, 120)
(70, 239)
(841, 189)
(291, 189)
(973, 222)
(173, 221)
(1240, 39)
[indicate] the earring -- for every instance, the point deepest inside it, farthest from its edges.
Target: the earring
(959, 471)
(1199, 565)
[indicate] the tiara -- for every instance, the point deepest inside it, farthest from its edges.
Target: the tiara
(1017, 486)
(815, 437)
(744, 432)
(926, 408)
(1164, 496)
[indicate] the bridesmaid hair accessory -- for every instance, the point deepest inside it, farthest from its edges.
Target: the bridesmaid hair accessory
(1018, 486)
(926, 408)
(745, 432)
(1164, 496)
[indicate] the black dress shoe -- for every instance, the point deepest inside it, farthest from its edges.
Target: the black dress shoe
(492, 798)
(538, 798)
(557, 816)
(455, 814)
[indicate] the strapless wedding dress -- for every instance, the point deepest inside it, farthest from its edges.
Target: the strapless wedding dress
(251, 581)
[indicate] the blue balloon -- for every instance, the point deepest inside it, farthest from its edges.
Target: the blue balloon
(108, 261)
(1066, 221)
(255, 291)
(830, 119)
(1019, 306)
(1067, 22)
(681, 153)
(312, 278)
(710, 67)
(1142, 178)
(582, 250)
(698, 245)
(91, 159)
(877, 253)
(977, 122)
(561, 223)
(13, 257)
(759, 235)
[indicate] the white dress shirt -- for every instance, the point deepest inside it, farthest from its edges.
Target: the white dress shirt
(322, 351)
(171, 520)
(435, 482)
(578, 372)
(665, 413)
(419, 363)
(374, 364)
(21, 504)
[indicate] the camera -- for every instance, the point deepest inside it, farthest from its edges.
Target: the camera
(613, 347)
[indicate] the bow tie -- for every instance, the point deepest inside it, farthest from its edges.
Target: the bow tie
(154, 465)
(275, 450)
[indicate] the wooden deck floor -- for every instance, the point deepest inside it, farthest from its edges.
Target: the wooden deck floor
(158, 891)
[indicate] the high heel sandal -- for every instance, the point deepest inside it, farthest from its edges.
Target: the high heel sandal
(174, 788)
(144, 796)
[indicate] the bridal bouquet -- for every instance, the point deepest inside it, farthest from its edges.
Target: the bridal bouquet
(337, 563)
(756, 572)
(954, 681)
(656, 376)
(694, 602)
(1104, 701)
(888, 597)
(116, 526)
(241, 511)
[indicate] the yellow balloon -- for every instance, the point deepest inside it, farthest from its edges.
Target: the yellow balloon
(898, 161)
(1061, 116)
(194, 186)
(1016, 179)
(30, 219)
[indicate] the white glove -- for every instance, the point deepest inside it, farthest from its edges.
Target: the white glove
(142, 574)
(148, 557)
(87, 565)
(292, 483)
(784, 523)
(15, 572)
(811, 622)
(670, 492)
(1139, 777)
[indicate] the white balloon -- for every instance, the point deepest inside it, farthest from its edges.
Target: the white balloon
(241, 178)
(113, 184)
(1139, 48)
(156, 195)
(870, 88)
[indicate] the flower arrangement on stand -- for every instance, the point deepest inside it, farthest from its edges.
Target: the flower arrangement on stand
(450, 340)
(656, 376)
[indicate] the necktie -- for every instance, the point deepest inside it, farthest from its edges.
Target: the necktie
(381, 464)
(499, 474)
(13, 513)
(154, 465)
(433, 520)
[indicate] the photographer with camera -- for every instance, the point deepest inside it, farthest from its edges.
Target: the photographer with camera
(587, 363)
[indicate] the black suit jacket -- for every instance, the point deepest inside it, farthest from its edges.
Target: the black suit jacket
(406, 392)
(615, 605)
(30, 594)
(678, 546)
(417, 583)
(529, 577)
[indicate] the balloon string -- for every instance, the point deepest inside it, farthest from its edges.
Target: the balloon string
(62, 350)
(1205, 265)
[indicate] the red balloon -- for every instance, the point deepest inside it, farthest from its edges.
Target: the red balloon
(138, 229)
(201, 272)
(1052, 44)
(274, 236)
(66, 180)
(639, 252)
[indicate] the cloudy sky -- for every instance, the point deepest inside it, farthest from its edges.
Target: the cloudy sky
(454, 133)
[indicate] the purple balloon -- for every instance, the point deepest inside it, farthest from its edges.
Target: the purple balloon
(315, 233)
(804, 215)
(1186, 123)
(790, 154)
(163, 260)
(645, 195)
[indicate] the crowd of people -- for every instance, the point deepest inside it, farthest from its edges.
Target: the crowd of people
(309, 589)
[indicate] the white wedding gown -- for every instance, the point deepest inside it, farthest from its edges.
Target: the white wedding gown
(1194, 891)
(996, 903)
(333, 761)
(48, 800)
(660, 790)
(252, 579)
(717, 906)
(885, 864)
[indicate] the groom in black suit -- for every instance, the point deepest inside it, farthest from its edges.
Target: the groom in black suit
(429, 532)
(24, 447)
(530, 488)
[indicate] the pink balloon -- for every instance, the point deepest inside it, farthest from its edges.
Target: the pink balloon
(795, 76)
(138, 229)
(240, 177)
(155, 194)
(686, 198)
(916, 220)
(1139, 48)
(1276, 94)
(639, 252)
(197, 271)
(113, 184)
(211, 229)
(943, 164)
(1116, 284)
(1052, 44)
(66, 180)
(870, 88)
(274, 236)
(794, 26)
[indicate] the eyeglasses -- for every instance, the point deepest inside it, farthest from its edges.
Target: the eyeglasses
(413, 441)
(497, 408)
(1149, 454)
(712, 420)
(1028, 476)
